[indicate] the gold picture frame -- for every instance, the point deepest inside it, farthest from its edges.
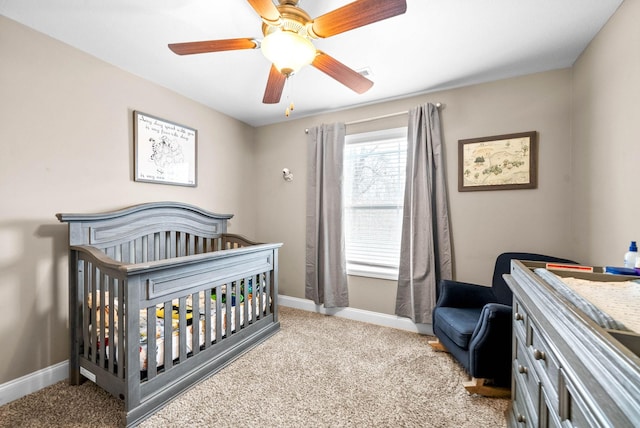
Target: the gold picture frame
(499, 162)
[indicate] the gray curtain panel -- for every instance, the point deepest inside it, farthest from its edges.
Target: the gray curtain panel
(326, 272)
(425, 251)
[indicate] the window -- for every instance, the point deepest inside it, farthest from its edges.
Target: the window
(374, 175)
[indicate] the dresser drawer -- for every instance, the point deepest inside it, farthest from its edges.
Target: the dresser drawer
(548, 416)
(522, 415)
(573, 410)
(525, 376)
(546, 363)
(545, 359)
(519, 318)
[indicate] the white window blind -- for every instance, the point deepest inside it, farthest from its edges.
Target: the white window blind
(374, 175)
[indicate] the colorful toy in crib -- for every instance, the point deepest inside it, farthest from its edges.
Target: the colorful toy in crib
(175, 313)
(233, 295)
(224, 298)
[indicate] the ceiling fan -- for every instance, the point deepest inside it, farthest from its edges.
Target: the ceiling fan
(288, 33)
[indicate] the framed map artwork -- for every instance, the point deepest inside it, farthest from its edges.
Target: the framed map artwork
(500, 162)
(165, 152)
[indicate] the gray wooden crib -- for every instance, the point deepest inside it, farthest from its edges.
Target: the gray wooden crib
(168, 268)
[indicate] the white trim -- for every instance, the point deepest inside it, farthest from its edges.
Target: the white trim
(355, 314)
(33, 382)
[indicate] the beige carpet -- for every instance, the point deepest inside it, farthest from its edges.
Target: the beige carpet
(318, 371)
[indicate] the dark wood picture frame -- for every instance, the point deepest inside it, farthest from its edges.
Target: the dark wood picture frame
(499, 162)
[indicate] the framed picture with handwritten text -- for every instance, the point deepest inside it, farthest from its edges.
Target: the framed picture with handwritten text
(500, 162)
(165, 152)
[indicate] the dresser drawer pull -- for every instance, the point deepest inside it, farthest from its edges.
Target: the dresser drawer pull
(522, 369)
(518, 316)
(538, 354)
(522, 419)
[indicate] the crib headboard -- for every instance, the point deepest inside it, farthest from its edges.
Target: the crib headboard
(115, 228)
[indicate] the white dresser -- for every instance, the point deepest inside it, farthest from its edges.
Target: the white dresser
(567, 370)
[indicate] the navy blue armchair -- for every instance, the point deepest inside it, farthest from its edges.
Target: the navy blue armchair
(473, 323)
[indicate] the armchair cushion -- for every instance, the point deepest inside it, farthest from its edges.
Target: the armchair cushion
(458, 323)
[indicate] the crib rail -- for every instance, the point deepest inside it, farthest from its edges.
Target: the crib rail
(175, 310)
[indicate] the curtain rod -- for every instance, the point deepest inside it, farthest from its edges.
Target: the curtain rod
(371, 119)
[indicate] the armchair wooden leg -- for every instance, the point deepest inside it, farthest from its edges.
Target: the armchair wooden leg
(436, 345)
(477, 386)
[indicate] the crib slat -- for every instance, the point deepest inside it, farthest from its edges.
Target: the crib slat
(218, 314)
(242, 302)
(125, 252)
(247, 307)
(237, 294)
(112, 326)
(136, 250)
(94, 324)
(144, 247)
(154, 247)
(162, 246)
(180, 244)
(267, 295)
(115, 253)
(152, 366)
(121, 327)
(258, 296)
(229, 310)
(255, 290)
(103, 318)
(86, 311)
(182, 329)
(195, 323)
(171, 250)
(207, 318)
(168, 351)
(191, 241)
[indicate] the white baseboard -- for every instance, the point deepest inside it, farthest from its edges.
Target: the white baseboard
(370, 317)
(33, 382)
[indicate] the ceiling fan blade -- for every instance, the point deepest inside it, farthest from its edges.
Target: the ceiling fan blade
(275, 85)
(266, 9)
(343, 74)
(189, 48)
(356, 14)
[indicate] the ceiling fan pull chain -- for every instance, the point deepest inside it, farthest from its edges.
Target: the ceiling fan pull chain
(289, 109)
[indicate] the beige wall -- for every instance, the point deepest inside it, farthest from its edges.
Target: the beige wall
(606, 141)
(66, 146)
(483, 223)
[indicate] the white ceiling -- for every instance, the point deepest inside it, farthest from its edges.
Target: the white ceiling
(436, 44)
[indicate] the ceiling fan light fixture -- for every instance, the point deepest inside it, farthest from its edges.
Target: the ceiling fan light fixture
(288, 51)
